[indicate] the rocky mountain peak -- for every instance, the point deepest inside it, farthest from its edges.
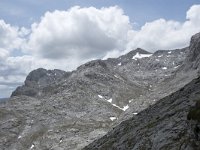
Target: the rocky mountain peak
(194, 47)
(141, 51)
(193, 53)
(132, 53)
(38, 79)
(43, 77)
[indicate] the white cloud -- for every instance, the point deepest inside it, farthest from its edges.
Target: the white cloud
(9, 36)
(82, 33)
(112, 54)
(10, 77)
(163, 34)
(66, 39)
(79, 32)
(3, 54)
(193, 14)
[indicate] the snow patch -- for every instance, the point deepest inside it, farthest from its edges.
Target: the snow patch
(119, 64)
(112, 118)
(135, 113)
(19, 137)
(130, 101)
(164, 68)
(176, 66)
(125, 108)
(169, 52)
(160, 56)
(100, 96)
(110, 100)
(32, 146)
(116, 76)
(116, 106)
(139, 56)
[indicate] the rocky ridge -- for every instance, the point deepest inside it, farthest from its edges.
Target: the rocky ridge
(69, 110)
(171, 123)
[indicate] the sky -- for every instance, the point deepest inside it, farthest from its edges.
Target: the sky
(64, 34)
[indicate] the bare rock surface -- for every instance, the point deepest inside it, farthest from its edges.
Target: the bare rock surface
(172, 123)
(55, 109)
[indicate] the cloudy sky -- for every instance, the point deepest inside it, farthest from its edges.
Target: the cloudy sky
(66, 33)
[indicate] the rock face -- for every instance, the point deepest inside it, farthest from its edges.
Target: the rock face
(194, 55)
(194, 46)
(37, 80)
(55, 109)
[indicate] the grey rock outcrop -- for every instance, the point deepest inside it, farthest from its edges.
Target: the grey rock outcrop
(194, 54)
(194, 47)
(37, 80)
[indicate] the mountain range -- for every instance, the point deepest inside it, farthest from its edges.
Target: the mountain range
(140, 100)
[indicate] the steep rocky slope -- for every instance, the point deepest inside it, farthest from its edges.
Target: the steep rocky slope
(68, 110)
(172, 123)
